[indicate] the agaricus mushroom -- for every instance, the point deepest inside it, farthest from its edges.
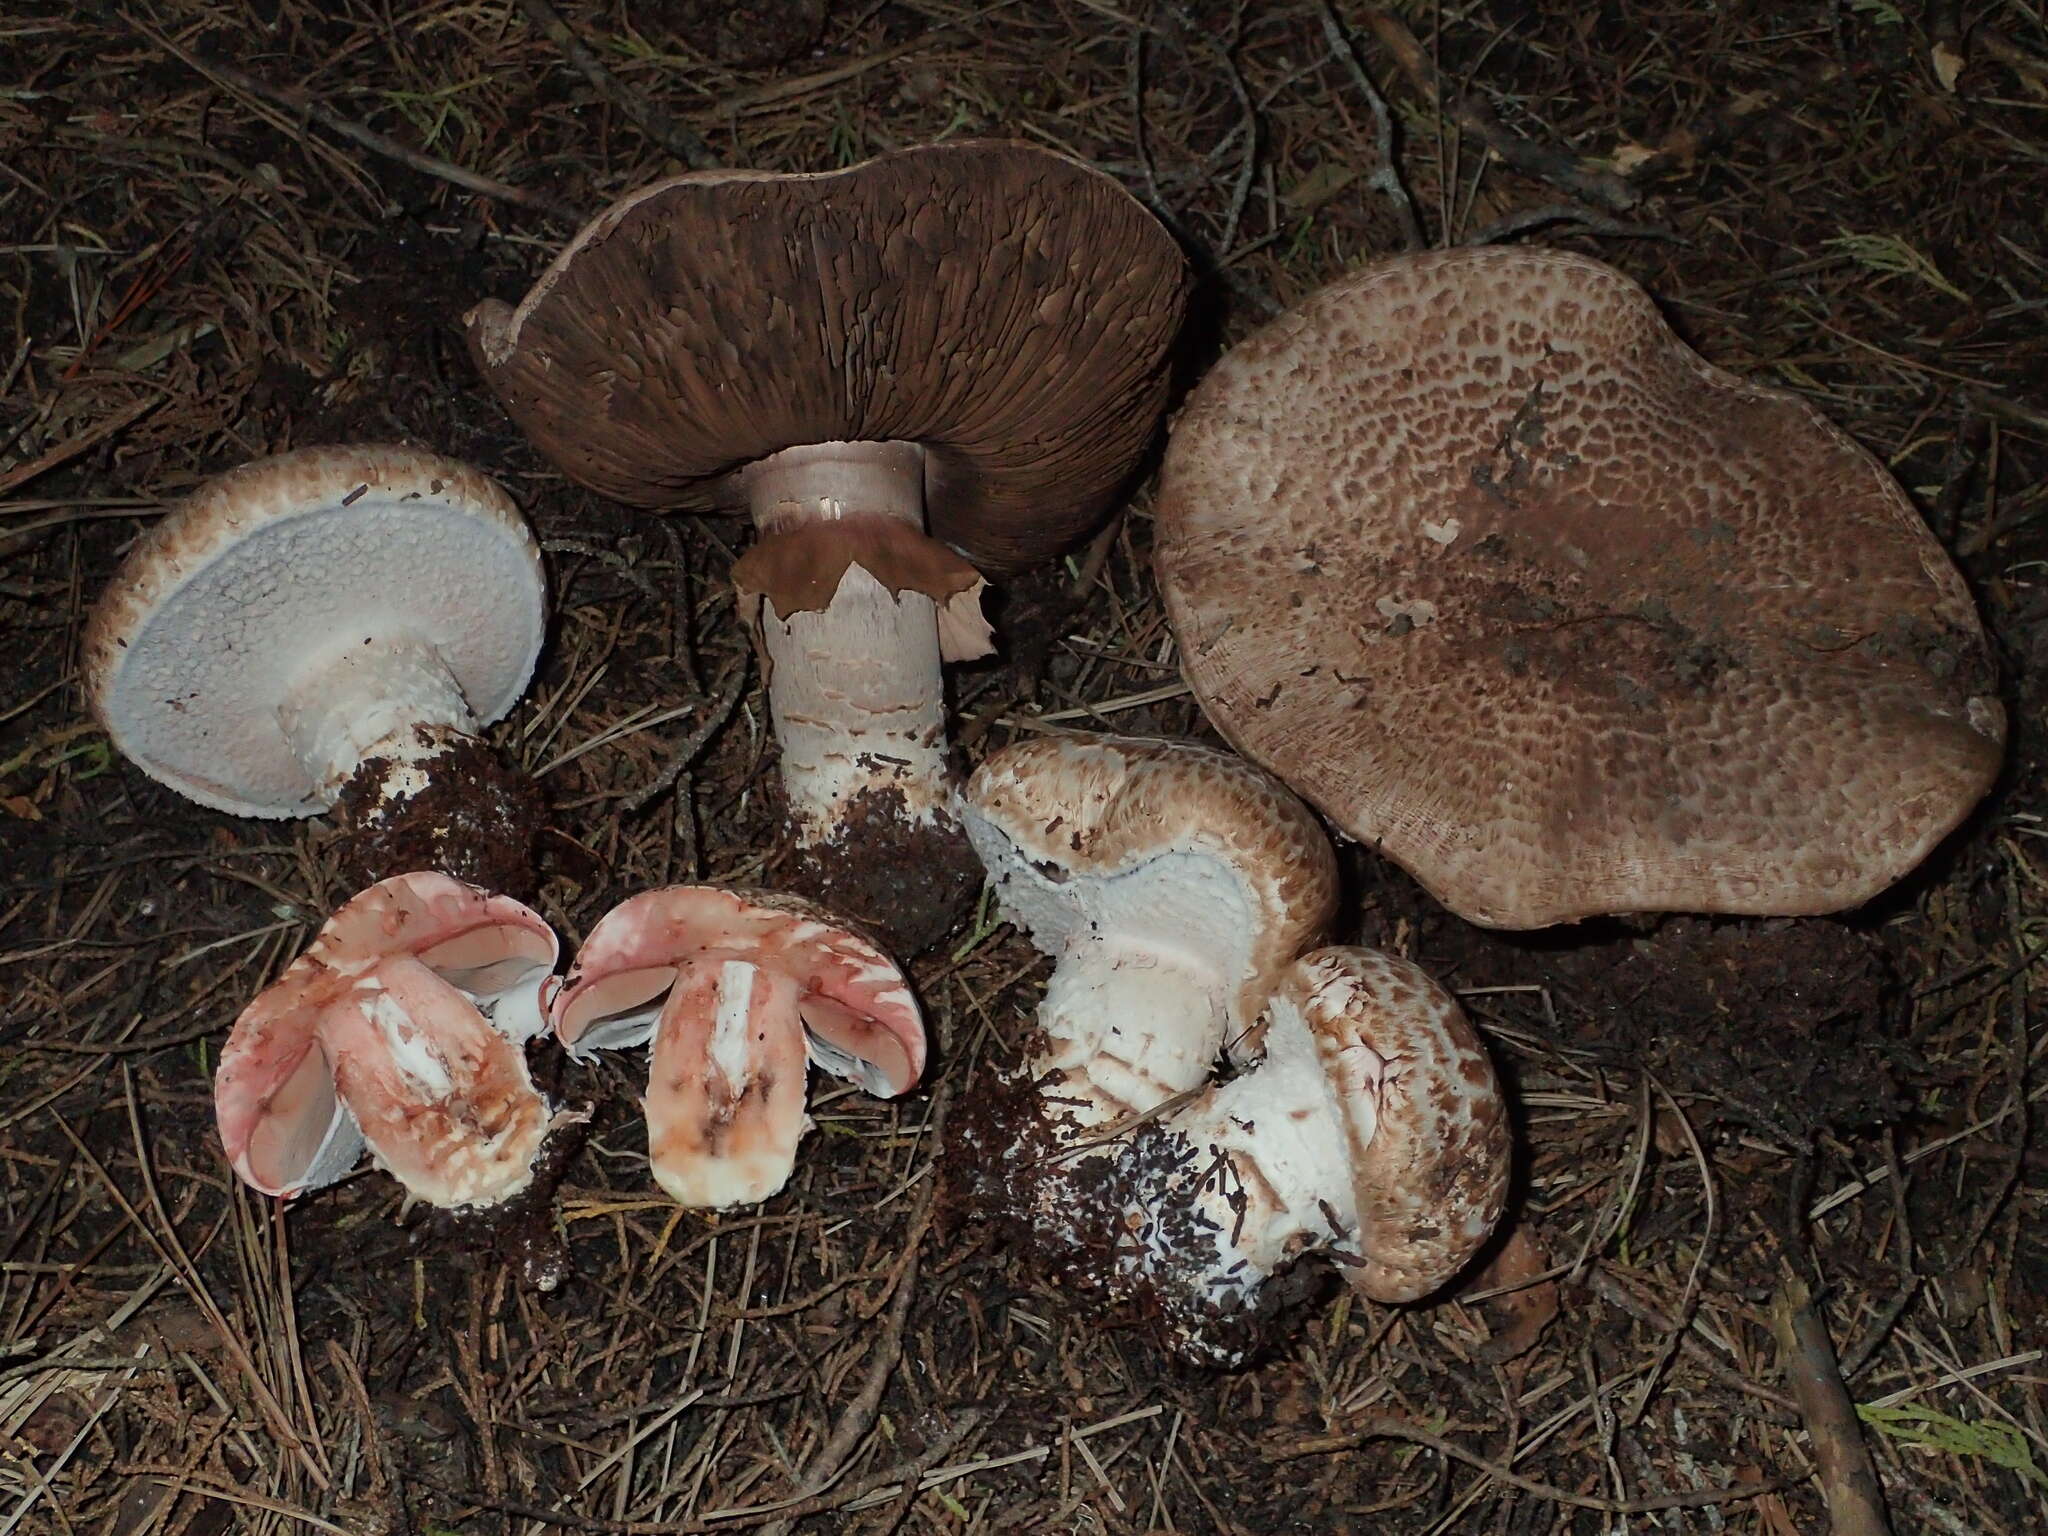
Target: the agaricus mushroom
(1475, 553)
(942, 363)
(1171, 884)
(330, 627)
(403, 1027)
(1371, 1129)
(737, 990)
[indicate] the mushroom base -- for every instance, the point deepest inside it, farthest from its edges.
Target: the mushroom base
(1128, 1241)
(905, 881)
(522, 1229)
(474, 816)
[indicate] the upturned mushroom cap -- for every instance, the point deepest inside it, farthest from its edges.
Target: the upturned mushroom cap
(1008, 308)
(1089, 836)
(379, 1033)
(736, 988)
(1476, 554)
(286, 569)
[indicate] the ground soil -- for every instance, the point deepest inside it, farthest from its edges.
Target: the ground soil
(203, 259)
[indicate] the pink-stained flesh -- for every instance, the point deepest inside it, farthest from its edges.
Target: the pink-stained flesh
(401, 1027)
(737, 990)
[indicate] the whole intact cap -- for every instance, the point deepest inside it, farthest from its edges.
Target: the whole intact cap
(277, 570)
(1006, 307)
(1477, 555)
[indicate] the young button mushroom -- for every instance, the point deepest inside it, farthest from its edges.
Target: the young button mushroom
(1372, 1130)
(942, 363)
(737, 989)
(330, 627)
(1171, 884)
(403, 1026)
(1475, 553)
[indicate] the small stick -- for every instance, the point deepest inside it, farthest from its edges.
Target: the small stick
(671, 135)
(1387, 179)
(1848, 1480)
(686, 753)
(1520, 223)
(1582, 177)
(1396, 1429)
(296, 100)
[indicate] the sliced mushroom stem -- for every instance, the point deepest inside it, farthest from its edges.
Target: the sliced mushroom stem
(725, 1099)
(402, 1027)
(1125, 1029)
(738, 991)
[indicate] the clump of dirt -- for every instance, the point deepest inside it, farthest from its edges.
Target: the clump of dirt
(475, 818)
(904, 883)
(523, 1230)
(1085, 1222)
(1792, 1023)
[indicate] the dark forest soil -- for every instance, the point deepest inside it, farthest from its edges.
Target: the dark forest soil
(195, 273)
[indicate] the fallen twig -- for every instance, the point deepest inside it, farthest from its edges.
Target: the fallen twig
(317, 111)
(1583, 177)
(678, 139)
(1848, 1480)
(1387, 179)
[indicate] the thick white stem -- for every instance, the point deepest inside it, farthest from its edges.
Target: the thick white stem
(1271, 1171)
(855, 688)
(1126, 1028)
(365, 701)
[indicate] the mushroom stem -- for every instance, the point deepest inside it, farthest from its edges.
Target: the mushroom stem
(854, 686)
(1371, 1129)
(369, 701)
(1125, 1029)
(1268, 1179)
(382, 727)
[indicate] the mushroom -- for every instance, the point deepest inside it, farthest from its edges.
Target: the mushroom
(1371, 1128)
(330, 627)
(1476, 554)
(941, 363)
(401, 1027)
(736, 989)
(1171, 884)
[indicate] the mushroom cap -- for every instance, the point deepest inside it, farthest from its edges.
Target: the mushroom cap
(1475, 553)
(1422, 1112)
(379, 1033)
(1007, 307)
(1081, 833)
(281, 565)
(735, 988)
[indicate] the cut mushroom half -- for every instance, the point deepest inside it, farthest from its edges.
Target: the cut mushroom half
(1171, 884)
(331, 627)
(1372, 1130)
(738, 991)
(402, 1027)
(943, 363)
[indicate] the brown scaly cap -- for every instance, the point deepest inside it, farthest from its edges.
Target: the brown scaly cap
(1477, 555)
(1099, 806)
(1431, 1152)
(1006, 307)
